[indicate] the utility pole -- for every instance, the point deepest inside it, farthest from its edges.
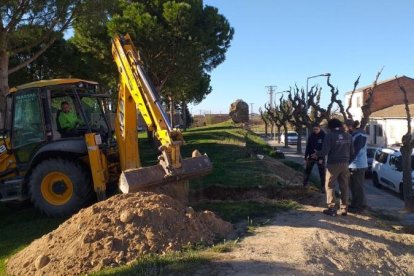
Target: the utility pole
(251, 110)
(270, 90)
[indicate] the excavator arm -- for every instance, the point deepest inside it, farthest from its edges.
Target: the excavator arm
(136, 92)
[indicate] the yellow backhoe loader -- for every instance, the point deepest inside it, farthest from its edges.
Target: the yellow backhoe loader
(58, 146)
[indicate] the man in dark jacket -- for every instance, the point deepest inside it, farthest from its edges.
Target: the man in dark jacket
(337, 145)
(314, 143)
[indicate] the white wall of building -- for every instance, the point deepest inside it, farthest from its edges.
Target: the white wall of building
(387, 131)
(357, 102)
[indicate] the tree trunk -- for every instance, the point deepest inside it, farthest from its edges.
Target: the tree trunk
(184, 114)
(272, 130)
(286, 136)
(299, 142)
(171, 111)
(406, 150)
(4, 83)
(278, 134)
(265, 129)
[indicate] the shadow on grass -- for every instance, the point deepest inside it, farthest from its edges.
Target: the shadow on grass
(236, 211)
(215, 128)
(19, 227)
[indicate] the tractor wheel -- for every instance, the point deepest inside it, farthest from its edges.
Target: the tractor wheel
(60, 187)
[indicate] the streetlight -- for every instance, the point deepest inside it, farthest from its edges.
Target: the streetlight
(306, 95)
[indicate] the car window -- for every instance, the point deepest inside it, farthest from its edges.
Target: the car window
(292, 134)
(393, 160)
(381, 157)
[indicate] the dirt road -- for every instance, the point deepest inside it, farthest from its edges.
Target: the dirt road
(380, 200)
(305, 241)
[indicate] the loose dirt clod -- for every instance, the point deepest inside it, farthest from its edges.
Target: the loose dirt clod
(115, 232)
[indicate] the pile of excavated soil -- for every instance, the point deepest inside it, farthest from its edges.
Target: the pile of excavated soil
(115, 232)
(282, 173)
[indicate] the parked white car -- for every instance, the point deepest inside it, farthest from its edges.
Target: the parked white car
(292, 138)
(387, 169)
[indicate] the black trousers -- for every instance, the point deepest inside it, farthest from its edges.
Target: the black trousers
(321, 169)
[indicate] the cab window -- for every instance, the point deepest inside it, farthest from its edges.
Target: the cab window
(94, 113)
(27, 119)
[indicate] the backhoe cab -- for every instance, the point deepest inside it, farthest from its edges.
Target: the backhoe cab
(58, 146)
(39, 159)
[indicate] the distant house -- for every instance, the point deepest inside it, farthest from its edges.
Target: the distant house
(387, 124)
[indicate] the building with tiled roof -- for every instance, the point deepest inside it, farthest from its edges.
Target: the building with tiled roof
(388, 119)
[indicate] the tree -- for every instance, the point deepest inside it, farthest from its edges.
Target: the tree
(300, 116)
(286, 110)
(275, 117)
(179, 42)
(265, 119)
(27, 29)
(406, 152)
(366, 107)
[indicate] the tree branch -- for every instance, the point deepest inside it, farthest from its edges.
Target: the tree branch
(17, 16)
(366, 108)
(350, 98)
(34, 57)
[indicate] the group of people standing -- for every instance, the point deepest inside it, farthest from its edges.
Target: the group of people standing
(344, 150)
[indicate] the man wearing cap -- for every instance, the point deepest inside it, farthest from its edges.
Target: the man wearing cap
(314, 143)
(357, 167)
(337, 146)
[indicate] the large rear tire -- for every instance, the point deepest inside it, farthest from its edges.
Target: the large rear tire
(60, 187)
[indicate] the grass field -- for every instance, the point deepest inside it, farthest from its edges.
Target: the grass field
(229, 148)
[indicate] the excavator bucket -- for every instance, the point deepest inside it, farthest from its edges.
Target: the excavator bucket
(145, 178)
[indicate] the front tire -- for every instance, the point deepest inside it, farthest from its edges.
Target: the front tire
(60, 187)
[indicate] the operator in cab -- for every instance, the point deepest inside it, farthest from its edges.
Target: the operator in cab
(68, 121)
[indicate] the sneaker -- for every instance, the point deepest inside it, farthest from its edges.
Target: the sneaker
(343, 212)
(330, 212)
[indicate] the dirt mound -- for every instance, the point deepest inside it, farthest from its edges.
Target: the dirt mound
(282, 173)
(115, 232)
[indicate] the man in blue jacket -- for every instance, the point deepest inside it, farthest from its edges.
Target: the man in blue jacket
(357, 167)
(314, 143)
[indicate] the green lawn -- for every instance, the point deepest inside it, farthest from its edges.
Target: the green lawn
(228, 147)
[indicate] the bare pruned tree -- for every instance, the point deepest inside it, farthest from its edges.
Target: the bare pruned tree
(350, 98)
(406, 151)
(335, 100)
(274, 115)
(265, 119)
(300, 117)
(285, 108)
(366, 108)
